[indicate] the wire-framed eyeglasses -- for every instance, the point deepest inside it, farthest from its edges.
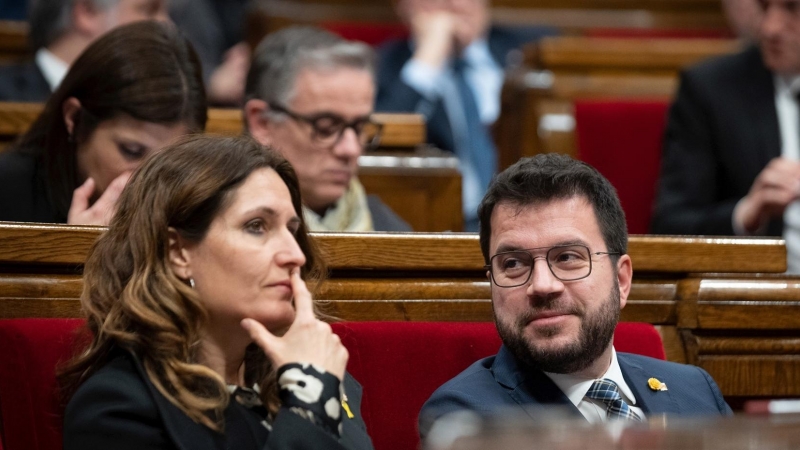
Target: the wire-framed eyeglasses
(327, 129)
(566, 262)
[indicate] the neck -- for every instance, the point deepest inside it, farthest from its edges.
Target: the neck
(68, 47)
(221, 354)
(598, 367)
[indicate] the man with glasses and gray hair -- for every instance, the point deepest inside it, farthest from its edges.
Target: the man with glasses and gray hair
(554, 238)
(310, 95)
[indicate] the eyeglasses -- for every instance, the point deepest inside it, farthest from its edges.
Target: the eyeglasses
(327, 129)
(566, 262)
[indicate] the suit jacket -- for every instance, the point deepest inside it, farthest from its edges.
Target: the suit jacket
(383, 218)
(497, 383)
(119, 408)
(722, 131)
(23, 83)
(396, 96)
(23, 191)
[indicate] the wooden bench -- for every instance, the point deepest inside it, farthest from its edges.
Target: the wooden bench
(421, 184)
(722, 304)
(537, 114)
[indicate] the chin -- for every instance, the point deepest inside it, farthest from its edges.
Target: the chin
(277, 324)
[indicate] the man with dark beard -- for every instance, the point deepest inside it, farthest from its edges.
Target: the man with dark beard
(557, 318)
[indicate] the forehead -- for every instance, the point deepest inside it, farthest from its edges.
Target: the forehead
(544, 224)
(263, 188)
(342, 90)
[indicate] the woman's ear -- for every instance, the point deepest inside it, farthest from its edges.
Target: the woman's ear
(69, 109)
(179, 257)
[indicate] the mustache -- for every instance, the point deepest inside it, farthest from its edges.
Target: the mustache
(552, 308)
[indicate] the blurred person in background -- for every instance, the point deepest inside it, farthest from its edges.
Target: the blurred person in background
(129, 94)
(310, 96)
(451, 71)
(60, 30)
(731, 156)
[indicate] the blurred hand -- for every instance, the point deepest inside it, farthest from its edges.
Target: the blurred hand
(226, 85)
(308, 340)
(772, 191)
(101, 212)
(434, 33)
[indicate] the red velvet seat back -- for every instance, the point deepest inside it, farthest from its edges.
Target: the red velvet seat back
(622, 140)
(372, 33)
(399, 364)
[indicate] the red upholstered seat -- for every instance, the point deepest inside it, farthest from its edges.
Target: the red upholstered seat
(622, 140)
(372, 33)
(399, 364)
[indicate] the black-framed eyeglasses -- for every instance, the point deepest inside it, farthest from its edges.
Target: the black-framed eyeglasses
(566, 262)
(327, 129)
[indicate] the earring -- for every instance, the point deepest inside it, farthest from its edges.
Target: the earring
(191, 282)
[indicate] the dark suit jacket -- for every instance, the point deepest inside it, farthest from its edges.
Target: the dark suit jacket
(23, 191)
(497, 383)
(23, 83)
(722, 131)
(396, 96)
(119, 408)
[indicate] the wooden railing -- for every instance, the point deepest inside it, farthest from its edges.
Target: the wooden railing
(720, 303)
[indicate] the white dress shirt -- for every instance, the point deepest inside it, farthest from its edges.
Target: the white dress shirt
(575, 388)
(786, 90)
(53, 69)
(485, 77)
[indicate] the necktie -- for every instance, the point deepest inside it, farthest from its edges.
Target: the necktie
(481, 150)
(606, 391)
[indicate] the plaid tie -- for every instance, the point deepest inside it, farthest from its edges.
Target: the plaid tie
(606, 391)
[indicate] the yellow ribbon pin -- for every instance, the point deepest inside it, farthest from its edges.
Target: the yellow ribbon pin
(656, 385)
(346, 407)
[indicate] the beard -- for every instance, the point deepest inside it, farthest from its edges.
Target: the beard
(595, 334)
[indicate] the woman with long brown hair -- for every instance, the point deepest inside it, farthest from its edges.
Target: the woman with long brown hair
(204, 333)
(129, 93)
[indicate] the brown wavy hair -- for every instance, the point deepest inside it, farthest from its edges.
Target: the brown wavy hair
(133, 299)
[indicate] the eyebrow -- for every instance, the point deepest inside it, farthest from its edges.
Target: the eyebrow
(510, 248)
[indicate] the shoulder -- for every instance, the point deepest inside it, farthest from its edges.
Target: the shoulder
(16, 164)
(112, 405)
(22, 195)
(723, 71)
(383, 218)
(23, 82)
(474, 388)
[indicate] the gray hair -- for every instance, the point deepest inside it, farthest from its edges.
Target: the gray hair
(282, 55)
(50, 19)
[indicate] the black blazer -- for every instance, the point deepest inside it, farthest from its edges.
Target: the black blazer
(23, 83)
(722, 131)
(119, 408)
(396, 96)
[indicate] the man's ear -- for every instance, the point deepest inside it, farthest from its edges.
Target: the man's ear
(179, 256)
(258, 123)
(69, 110)
(88, 19)
(625, 278)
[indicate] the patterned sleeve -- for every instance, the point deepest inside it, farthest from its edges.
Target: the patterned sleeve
(312, 393)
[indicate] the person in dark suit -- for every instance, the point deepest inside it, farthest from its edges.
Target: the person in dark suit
(730, 155)
(451, 70)
(554, 238)
(60, 30)
(203, 332)
(129, 94)
(310, 95)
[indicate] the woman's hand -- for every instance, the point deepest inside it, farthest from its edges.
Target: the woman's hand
(100, 213)
(308, 340)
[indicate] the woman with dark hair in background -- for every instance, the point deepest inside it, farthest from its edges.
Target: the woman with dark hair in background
(130, 93)
(204, 333)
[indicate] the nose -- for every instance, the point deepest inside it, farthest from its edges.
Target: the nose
(349, 145)
(543, 283)
(290, 255)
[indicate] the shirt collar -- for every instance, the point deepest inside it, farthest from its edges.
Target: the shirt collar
(576, 387)
(477, 53)
(53, 69)
(787, 83)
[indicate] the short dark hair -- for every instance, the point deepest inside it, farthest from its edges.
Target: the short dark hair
(552, 176)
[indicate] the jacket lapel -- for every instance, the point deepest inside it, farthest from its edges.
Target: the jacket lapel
(529, 388)
(651, 402)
